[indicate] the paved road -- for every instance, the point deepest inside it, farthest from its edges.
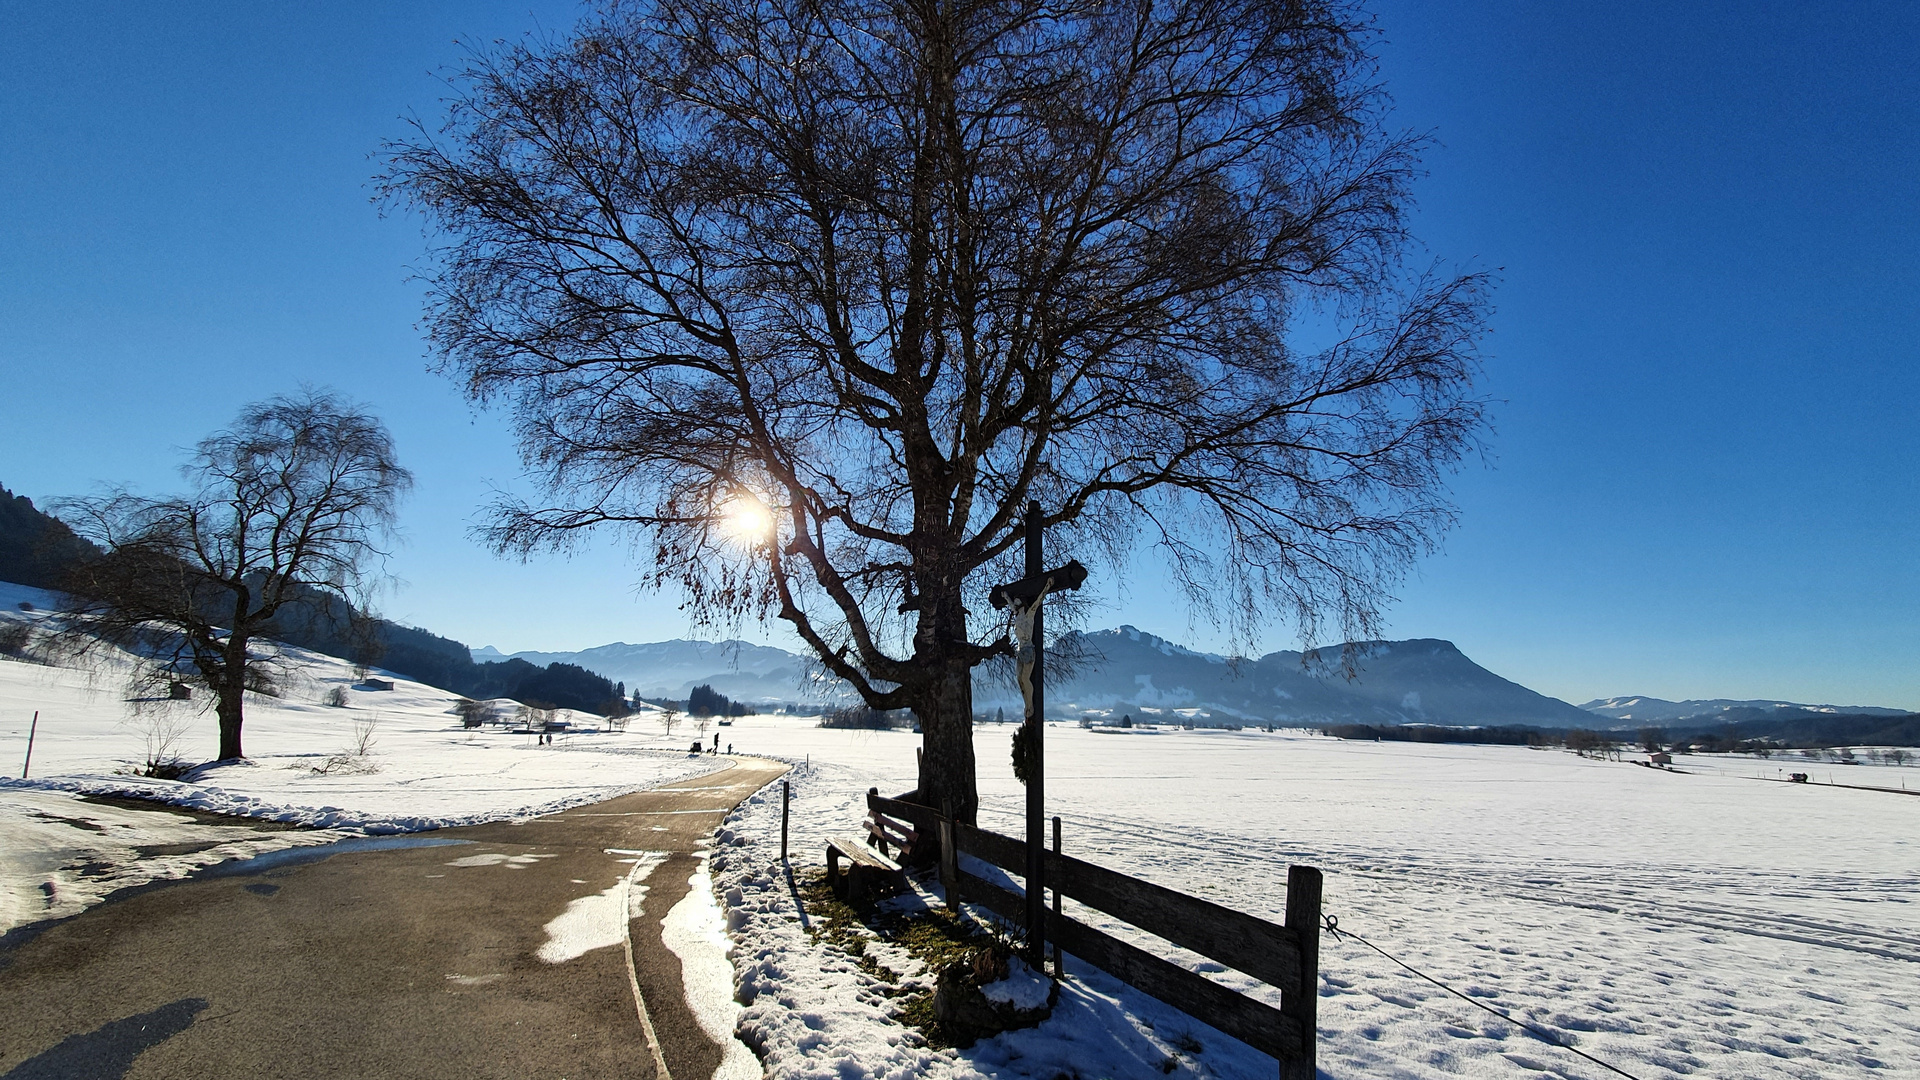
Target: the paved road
(389, 963)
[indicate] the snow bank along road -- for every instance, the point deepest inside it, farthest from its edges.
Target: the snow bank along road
(483, 951)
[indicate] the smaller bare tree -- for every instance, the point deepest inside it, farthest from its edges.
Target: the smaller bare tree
(365, 731)
(669, 716)
(287, 507)
(162, 727)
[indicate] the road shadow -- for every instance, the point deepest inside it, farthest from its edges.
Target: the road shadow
(107, 1052)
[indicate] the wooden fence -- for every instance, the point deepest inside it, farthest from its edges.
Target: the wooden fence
(1284, 956)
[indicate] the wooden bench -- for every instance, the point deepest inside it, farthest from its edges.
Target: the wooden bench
(869, 874)
(877, 860)
(884, 832)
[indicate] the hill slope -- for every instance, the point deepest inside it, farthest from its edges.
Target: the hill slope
(1641, 709)
(1418, 681)
(36, 548)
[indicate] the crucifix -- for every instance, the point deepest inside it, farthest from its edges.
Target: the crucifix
(1024, 598)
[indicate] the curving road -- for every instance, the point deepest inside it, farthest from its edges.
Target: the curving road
(402, 962)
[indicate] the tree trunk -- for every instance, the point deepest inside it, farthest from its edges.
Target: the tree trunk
(946, 725)
(229, 697)
(227, 708)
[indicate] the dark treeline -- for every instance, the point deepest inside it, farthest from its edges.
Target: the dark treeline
(1792, 730)
(1798, 729)
(864, 718)
(704, 700)
(1499, 736)
(39, 550)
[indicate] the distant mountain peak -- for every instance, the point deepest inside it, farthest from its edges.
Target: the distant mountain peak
(1643, 709)
(1152, 641)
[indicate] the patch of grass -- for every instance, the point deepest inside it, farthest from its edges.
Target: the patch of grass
(936, 937)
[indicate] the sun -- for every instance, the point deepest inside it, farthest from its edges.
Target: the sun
(747, 518)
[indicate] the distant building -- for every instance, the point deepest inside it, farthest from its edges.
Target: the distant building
(1660, 757)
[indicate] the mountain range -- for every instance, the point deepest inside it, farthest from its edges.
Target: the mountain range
(1129, 671)
(1641, 709)
(741, 670)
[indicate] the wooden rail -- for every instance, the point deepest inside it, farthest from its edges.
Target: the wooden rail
(1284, 956)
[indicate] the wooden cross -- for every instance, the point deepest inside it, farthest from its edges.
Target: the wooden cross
(1029, 590)
(1025, 598)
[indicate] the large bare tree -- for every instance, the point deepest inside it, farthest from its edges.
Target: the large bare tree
(810, 297)
(289, 506)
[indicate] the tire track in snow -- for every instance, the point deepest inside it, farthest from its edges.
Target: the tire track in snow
(1596, 887)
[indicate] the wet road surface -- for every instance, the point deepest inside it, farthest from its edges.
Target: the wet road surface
(382, 962)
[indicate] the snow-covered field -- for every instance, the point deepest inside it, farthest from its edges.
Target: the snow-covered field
(1702, 922)
(421, 771)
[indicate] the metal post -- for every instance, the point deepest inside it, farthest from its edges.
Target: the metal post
(786, 808)
(1059, 967)
(31, 732)
(1036, 765)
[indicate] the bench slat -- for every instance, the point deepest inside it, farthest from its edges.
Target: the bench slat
(892, 832)
(859, 852)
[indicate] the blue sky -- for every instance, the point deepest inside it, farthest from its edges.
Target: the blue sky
(1705, 218)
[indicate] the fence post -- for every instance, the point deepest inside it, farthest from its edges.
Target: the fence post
(1059, 966)
(31, 732)
(786, 808)
(949, 858)
(1303, 918)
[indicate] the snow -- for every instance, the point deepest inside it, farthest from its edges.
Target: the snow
(1707, 921)
(1023, 988)
(422, 771)
(62, 855)
(694, 931)
(598, 920)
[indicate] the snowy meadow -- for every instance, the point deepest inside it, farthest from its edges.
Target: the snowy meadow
(1706, 921)
(385, 761)
(1710, 921)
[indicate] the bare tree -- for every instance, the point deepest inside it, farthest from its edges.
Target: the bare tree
(473, 713)
(669, 716)
(288, 506)
(812, 296)
(162, 727)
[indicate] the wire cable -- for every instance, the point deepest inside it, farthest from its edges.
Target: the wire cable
(1548, 1037)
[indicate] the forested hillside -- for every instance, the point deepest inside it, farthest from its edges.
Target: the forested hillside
(38, 549)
